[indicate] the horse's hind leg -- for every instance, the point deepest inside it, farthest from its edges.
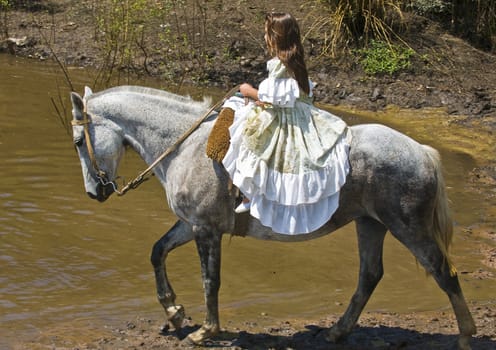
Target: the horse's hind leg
(370, 242)
(428, 253)
(178, 235)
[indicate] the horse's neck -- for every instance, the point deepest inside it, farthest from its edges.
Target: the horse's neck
(151, 133)
(154, 139)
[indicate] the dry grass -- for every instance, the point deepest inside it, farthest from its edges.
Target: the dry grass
(347, 24)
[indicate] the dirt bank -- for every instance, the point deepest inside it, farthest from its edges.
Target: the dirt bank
(428, 330)
(446, 72)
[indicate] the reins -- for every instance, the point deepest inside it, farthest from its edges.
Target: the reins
(141, 176)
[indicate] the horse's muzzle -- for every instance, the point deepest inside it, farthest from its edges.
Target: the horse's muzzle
(103, 191)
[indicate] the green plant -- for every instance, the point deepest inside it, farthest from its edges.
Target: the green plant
(381, 57)
(183, 38)
(426, 7)
(120, 29)
(123, 30)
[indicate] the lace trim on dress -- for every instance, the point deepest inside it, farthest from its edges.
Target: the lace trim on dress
(253, 176)
(296, 219)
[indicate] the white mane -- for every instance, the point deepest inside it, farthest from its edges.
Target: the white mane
(167, 97)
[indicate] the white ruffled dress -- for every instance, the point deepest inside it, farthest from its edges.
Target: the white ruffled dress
(288, 157)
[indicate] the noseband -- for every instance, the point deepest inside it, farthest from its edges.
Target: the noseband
(100, 174)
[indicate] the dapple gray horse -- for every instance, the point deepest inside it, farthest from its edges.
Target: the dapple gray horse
(394, 184)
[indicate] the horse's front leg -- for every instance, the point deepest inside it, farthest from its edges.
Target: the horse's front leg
(209, 249)
(178, 235)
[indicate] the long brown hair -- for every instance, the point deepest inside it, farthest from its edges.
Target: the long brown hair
(284, 41)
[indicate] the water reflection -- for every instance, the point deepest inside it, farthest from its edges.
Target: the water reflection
(65, 257)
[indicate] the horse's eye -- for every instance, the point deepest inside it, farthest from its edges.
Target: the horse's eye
(78, 141)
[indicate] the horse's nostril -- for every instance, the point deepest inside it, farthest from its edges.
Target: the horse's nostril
(103, 192)
(108, 189)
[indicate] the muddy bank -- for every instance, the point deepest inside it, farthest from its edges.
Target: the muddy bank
(376, 330)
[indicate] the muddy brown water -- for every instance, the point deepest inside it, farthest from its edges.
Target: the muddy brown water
(66, 259)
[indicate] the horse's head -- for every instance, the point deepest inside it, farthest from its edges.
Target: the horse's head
(100, 147)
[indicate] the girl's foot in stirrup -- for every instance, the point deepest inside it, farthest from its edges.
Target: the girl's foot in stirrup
(243, 207)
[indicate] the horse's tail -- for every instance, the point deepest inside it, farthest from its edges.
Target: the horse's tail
(442, 224)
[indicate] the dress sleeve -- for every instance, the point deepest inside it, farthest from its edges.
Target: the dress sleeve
(279, 88)
(281, 92)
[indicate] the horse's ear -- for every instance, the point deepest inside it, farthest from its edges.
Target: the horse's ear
(87, 93)
(77, 106)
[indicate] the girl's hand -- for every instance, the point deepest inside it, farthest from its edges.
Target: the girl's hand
(248, 90)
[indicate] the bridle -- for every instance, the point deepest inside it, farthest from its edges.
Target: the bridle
(102, 176)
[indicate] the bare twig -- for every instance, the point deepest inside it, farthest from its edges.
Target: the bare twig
(59, 62)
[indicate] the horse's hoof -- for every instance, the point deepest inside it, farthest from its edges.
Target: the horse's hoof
(188, 341)
(176, 315)
(202, 334)
(165, 328)
(194, 339)
(333, 335)
(464, 343)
